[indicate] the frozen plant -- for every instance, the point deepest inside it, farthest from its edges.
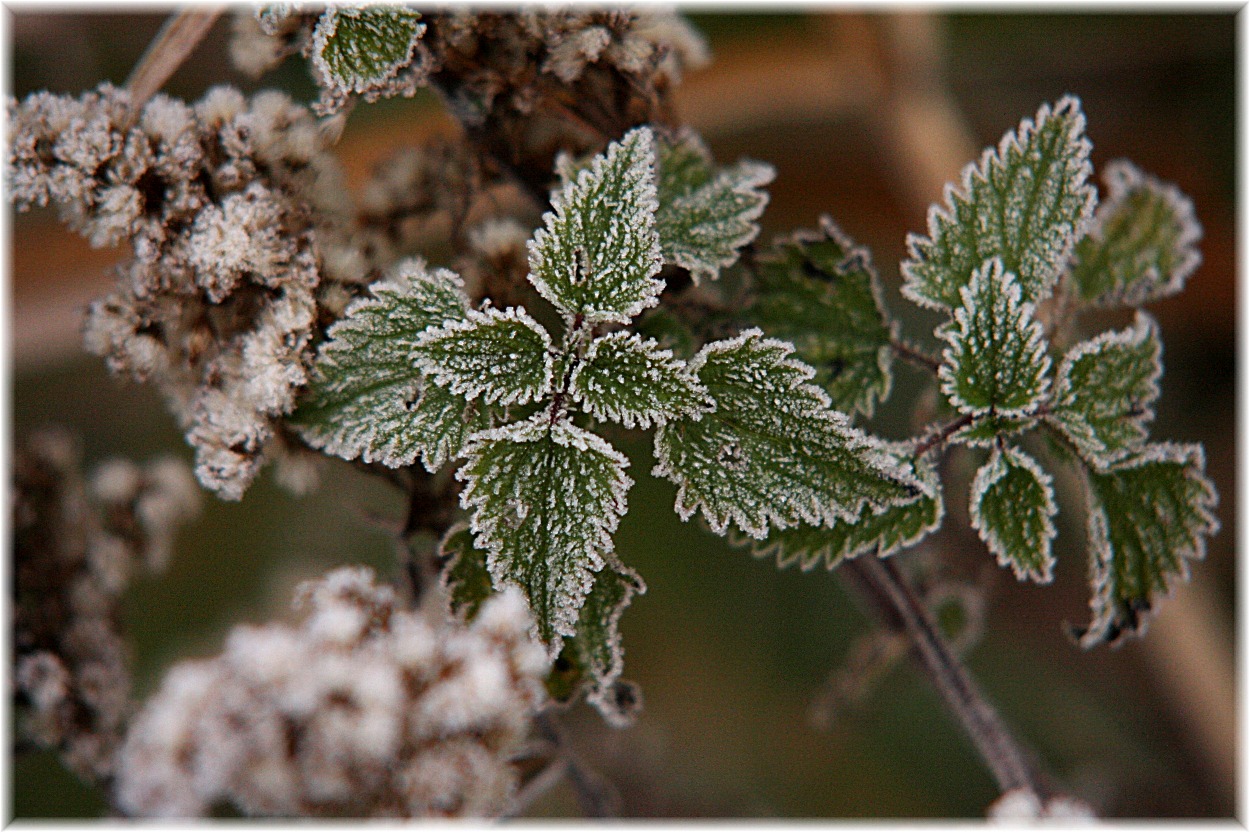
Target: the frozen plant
(478, 337)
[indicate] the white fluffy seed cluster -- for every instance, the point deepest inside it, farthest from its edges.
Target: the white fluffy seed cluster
(236, 215)
(76, 545)
(360, 709)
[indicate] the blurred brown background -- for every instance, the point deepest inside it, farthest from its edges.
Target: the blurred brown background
(864, 117)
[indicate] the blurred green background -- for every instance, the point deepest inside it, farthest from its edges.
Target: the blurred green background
(730, 651)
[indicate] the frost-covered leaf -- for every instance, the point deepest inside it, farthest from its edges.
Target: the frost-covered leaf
(465, 577)
(636, 383)
(598, 253)
(706, 214)
(989, 429)
(1105, 391)
(996, 362)
(881, 532)
(367, 398)
(772, 453)
(819, 291)
(545, 498)
(359, 48)
(1143, 243)
(1027, 203)
(593, 659)
(502, 357)
(1013, 509)
(1148, 517)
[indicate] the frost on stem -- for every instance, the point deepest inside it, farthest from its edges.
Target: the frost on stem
(237, 220)
(361, 708)
(75, 547)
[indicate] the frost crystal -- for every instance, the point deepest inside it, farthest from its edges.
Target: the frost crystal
(771, 453)
(597, 256)
(1106, 388)
(1013, 509)
(502, 357)
(361, 708)
(1026, 202)
(362, 50)
(1143, 243)
(996, 363)
(545, 498)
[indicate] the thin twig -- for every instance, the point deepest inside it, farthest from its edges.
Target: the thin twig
(172, 46)
(941, 435)
(596, 796)
(890, 594)
(915, 356)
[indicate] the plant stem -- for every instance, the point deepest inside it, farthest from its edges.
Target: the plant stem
(915, 356)
(941, 435)
(169, 49)
(897, 604)
(596, 797)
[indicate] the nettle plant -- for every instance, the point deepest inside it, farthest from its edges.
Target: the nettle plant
(651, 307)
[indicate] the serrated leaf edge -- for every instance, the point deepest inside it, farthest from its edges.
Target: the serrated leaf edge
(325, 28)
(990, 473)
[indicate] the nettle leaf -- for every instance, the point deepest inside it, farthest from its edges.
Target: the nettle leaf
(545, 498)
(465, 577)
(502, 357)
(1105, 391)
(1148, 517)
(593, 659)
(706, 214)
(1143, 243)
(598, 253)
(876, 531)
(1026, 202)
(772, 453)
(996, 363)
(636, 383)
(358, 48)
(820, 292)
(367, 398)
(988, 430)
(1013, 509)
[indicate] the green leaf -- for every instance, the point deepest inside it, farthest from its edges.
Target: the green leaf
(706, 214)
(988, 429)
(598, 253)
(358, 48)
(465, 577)
(1026, 203)
(996, 362)
(367, 398)
(636, 383)
(1148, 517)
(502, 357)
(593, 659)
(880, 532)
(545, 498)
(1013, 509)
(1143, 243)
(772, 453)
(820, 292)
(1105, 391)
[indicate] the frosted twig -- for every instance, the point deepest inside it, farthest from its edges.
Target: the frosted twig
(888, 591)
(174, 43)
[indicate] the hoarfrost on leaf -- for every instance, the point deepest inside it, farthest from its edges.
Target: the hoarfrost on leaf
(772, 453)
(819, 291)
(876, 531)
(361, 49)
(1026, 202)
(996, 362)
(706, 214)
(1149, 516)
(501, 357)
(545, 498)
(1012, 507)
(1105, 391)
(598, 253)
(1143, 243)
(368, 399)
(465, 577)
(636, 383)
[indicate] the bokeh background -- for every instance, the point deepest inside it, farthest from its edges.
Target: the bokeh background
(864, 117)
